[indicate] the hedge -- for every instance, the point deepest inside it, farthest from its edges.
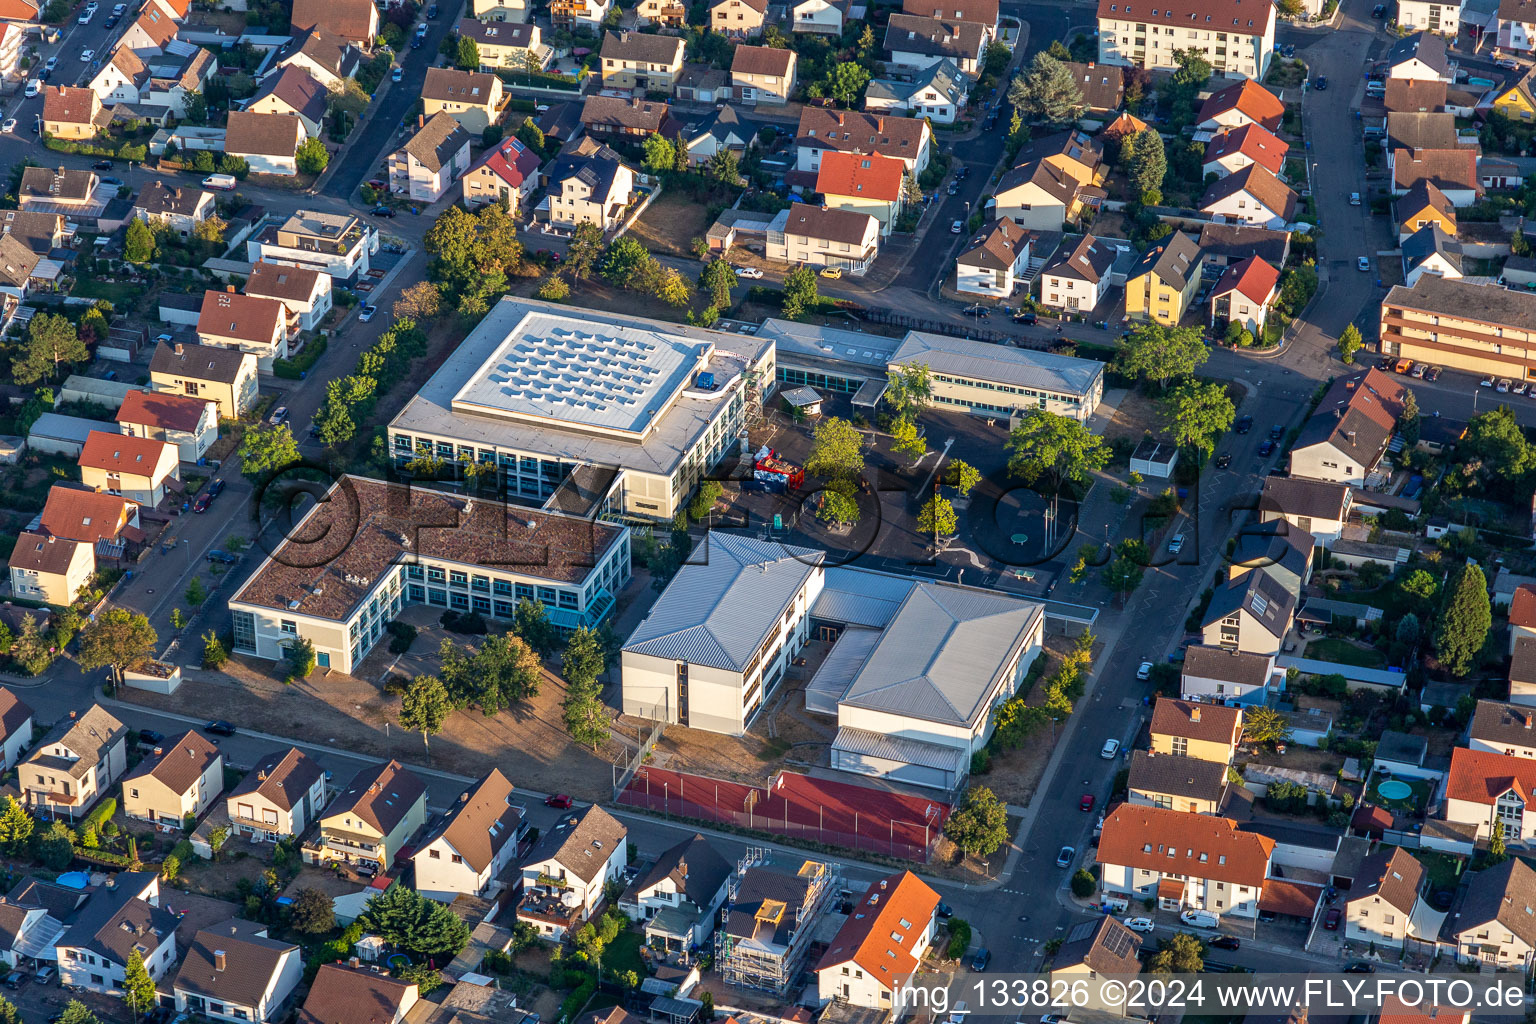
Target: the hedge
(100, 814)
(294, 369)
(577, 999)
(127, 151)
(113, 860)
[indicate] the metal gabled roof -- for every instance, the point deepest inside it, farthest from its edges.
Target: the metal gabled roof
(720, 606)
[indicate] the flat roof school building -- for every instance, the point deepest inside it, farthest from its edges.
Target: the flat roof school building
(628, 413)
(369, 548)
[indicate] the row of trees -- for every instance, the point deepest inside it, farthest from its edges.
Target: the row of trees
(349, 400)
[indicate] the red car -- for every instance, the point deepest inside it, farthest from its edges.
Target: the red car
(1086, 803)
(1331, 921)
(559, 800)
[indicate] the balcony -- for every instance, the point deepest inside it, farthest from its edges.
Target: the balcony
(43, 796)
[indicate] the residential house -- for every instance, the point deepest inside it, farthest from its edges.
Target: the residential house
(723, 128)
(588, 185)
(150, 31)
(499, 10)
(1277, 548)
(73, 114)
(767, 924)
(1517, 101)
(680, 896)
(508, 44)
(1102, 86)
(1186, 728)
(641, 61)
(327, 57)
(337, 243)
(667, 14)
(881, 944)
(1421, 55)
(821, 130)
(341, 994)
(1496, 174)
(1493, 920)
(1318, 507)
(249, 323)
(983, 12)
(470, 846)
(1241, 49)
(11, 37)
(1522, 614)
(15, 730)
(859, 183)
(106, 522)
(172, 78)
(234, 971)
(1517, 25)
(121, 77)
(1251, 196)
(573, 13)
(356, 21)
(1452, 170)
(176, 784)
(1483, 788)
(74, 764)
(304, 292)
(1241, 103)
(1503, 728)
(1244, 295)
(1163, 282)
(39, 232)
(1225, 244)
(268, 142)
(431, 161)
(1093, 950)
(1522, 668)
(58, 190)
(995, 260)
(179, 209)
(1387, 893)
(1430, 251)
(1183, 861)
(1251, 614)
(191, 424)
(616, 116)
(1422, 205)
(1077, 279)
(1055, 179)
(818, 17)
(824, 237)
(371, 820)
(1430, 16)
(224, 376)
(1414, 95)
(1345, 438)
(1477, 327)
(919, 42)
(739, 19)
(116, 921)
(1235, 148)
(565, 874)
(473, 98)
(937, 93)
(295, 92)
(1178, 783)
(278, 798)
(18, 269)
(507, 173)
(50, 569)
(763, 74)
(135, 467)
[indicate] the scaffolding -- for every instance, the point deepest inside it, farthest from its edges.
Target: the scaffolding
(752, 948)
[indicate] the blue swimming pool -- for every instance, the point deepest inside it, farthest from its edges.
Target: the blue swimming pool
(1394, 789)
(75, 879)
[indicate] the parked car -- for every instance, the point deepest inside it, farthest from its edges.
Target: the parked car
(46, 974)
(1139, 924)
(1144, 670)
(1432, 374)
(1363, 263)
(1086, 802)
(1266, 449)
(957, 227)
(1176, 544)
(1244, 424)
(1354, 199)
(8, 126)
(219, 727)
(944, 910)
(1360, 967)
(221, 557)
(367, 313)
(750, 273)
(1419, 369)
(1225, 942)
(559, 800)
(981, 959)
(1503, 386)
(35, 86)
(1064, 858)
(1110, 748)
(151, 737)
(213, 490)
(954, 189)
(1026, 318)
(396, 73)
(1320, 83)
(1379, 11)
(53, 62)
(86, 55)
(832, 273)
(1331, 919)
(14, 980)
(1486, 382)
(1199, 919)
(382, 211)
(1223, 460)
(1522, 388)
(278, 416)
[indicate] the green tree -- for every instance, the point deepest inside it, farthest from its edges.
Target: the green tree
(1123, 575)
(170, 867)
(910, 390)
(265, 451)
(554, 289)
(1464, 622)
(312, 912)
(906, 440)
(1499, 443)
(937, 516)
(1154, 352)
(1048, 92)
(334, 423)
(837, 507)
(51, 340)
(530, 620)
(624, 261)
(1519, 245)
(531, 135)
(1419, 583)
(1349, 344)
(837, 450)
(1497, 852)
(703, 503)
(1196, 414)
(425, 706)
(138, 987)
(76, 1012)
(118, 639)
(658, 154)
(584, 657)
(1266, 725)
(298, 659)
(1146, 164)
(56, 848)
(586, 717)
(962, 476)
(845, 81)
(980, 825)
(409, 921)
(196, 593)
(1191, 69)
(582, 253)
(503, 672)
(1083, 883)
(139, 244)
(723, 167)
(16, 827)
(800, 293)
(672, 288)
(1182, 953)
(312, 157)
(468, 56)
(718, 278)
(1047, 444)
(1409, 630)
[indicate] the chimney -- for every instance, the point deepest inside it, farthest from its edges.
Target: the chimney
(421, 120)
(464, 797)
(230, 289)
(1529, 718)
(882, 885)
(220, 961)
(354, 963)
(1194, 714)
(180, 348)
(879, 124)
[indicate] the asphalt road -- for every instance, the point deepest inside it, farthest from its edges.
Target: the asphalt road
(74, 38)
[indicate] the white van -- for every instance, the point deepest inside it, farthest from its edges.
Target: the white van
(34, 87)
(222, 182)
(1199, 919)
(1376, 89)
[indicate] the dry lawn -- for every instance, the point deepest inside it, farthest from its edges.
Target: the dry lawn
(673, 220)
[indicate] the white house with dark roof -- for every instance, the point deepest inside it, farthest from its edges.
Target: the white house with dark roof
(279, 797)
(77, 762)
(1493, 919)
(1503, 728)
(565, 874)
(1319, 507)
(429, 163)
(1420, 56)
(234, 971)
(306, 293)
(680, 897)
(1224, 674)
(993, 263)
(1077, 279)
(268, 142)
(937, 92)
(823, 236)
(15, 728)
(115, 921)
(472, 843)
(180, 781)
(295, 92)
(1430, 250)
(180, 209)
(919, 42)
(1251, 614)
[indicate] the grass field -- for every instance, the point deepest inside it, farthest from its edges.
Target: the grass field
(1345, 653)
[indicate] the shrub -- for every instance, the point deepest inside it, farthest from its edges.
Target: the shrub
(959, 938)
(297, 367)
(401, 635)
